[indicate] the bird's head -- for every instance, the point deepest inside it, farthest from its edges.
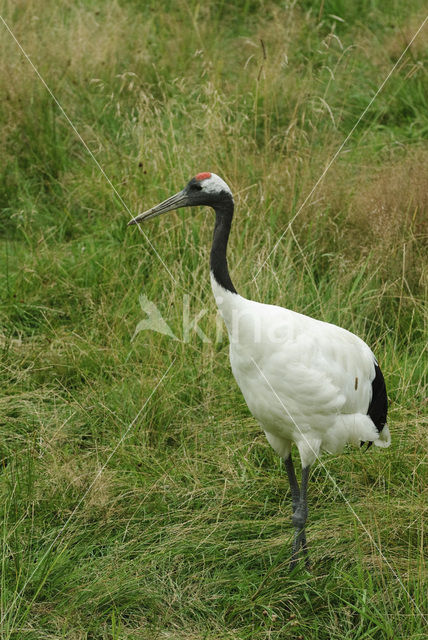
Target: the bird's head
(204, 189)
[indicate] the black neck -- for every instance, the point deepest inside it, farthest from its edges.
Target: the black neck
(218, 260)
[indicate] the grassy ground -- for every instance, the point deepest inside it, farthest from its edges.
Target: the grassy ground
(181, 529)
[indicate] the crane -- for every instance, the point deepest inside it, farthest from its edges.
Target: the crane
(305, 381)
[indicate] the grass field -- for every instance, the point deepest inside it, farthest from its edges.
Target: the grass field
(139, 498)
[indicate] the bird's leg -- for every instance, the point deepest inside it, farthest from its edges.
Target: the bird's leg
(296, 501)
(294, 485)
(299, 520)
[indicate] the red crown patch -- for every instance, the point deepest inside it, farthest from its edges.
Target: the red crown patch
(203, 176)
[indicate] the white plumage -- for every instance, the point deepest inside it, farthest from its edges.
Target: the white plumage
(305, 381)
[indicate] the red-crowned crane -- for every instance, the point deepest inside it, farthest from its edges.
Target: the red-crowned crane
(305, 381)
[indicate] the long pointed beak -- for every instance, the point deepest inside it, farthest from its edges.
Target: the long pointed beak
(180, 199)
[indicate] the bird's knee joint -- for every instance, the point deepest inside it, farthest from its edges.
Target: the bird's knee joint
(299, 518)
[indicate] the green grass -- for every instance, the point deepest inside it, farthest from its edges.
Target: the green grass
(176, 524)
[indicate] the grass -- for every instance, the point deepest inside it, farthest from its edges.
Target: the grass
(176, 524)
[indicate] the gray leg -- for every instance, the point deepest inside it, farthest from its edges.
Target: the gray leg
(294, 485)
(300, 513)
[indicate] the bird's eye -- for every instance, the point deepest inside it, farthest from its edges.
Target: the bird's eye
(197, 186)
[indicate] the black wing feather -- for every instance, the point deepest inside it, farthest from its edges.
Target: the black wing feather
(378, 407)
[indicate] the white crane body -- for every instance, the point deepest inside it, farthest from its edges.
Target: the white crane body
(304, 380)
